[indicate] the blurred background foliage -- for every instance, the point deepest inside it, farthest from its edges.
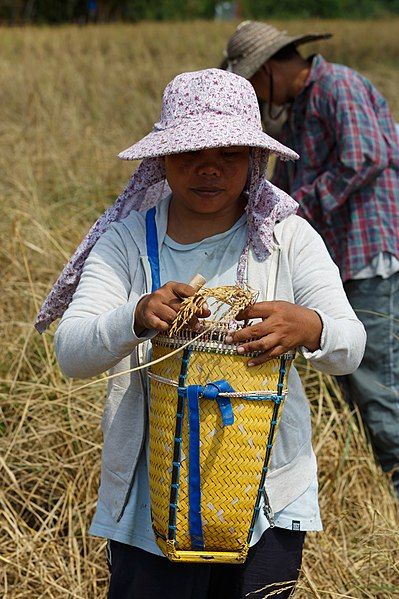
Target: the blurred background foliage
(83, 11)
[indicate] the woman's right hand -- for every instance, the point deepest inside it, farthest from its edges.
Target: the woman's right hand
(158, 310)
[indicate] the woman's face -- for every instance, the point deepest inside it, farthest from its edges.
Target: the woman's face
(208, 181)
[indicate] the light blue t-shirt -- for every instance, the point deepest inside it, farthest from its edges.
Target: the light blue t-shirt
(216, 259)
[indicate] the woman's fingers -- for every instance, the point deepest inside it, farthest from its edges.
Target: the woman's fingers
(162, 314)
(265, 357)
(301, 325)
(166, 314)
(159, 309)
(258, 310)
(181, 290)
(262, 339)
(264, 344)
(254, 331)
(203, 311)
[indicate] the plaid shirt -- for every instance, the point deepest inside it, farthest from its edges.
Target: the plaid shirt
(347, 178)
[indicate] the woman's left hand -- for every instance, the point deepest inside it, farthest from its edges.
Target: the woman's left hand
(284, 327)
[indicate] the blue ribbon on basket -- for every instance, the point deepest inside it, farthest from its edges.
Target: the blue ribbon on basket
(194, 394)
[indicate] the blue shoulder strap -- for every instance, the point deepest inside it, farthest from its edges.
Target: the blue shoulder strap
(152, 248)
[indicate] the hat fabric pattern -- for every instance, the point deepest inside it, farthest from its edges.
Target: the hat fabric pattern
(229, 116)
(206, 109)
(254, 42)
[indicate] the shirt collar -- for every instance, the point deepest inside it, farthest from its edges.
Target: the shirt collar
(319, 65)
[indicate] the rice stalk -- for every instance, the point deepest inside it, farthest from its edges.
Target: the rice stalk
(238, 298)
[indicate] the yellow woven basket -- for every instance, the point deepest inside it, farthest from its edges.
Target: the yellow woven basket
(210, 445)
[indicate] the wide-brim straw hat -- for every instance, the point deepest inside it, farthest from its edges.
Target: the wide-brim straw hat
(206, 109)
(253, 43)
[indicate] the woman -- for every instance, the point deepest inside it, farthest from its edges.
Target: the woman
(203, 168)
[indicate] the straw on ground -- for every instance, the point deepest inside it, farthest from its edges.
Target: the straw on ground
(70, 99)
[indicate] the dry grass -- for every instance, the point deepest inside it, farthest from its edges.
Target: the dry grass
(70, 99)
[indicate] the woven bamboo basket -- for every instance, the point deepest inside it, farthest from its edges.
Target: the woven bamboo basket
(210, 445)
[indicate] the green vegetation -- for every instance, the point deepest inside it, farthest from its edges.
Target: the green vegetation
(61, 11)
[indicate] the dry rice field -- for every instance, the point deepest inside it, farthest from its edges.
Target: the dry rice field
(70, 99)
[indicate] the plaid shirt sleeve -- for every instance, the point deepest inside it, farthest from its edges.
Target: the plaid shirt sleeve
(361, 153)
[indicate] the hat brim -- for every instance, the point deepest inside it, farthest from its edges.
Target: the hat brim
(218, 131)
(248, 65)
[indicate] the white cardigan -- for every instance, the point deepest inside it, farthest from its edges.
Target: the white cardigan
(96, 334)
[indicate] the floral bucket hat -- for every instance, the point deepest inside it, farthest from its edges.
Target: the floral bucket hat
(202, 109)
(206, 109)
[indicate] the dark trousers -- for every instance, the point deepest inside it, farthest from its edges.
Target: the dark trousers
(276, 558)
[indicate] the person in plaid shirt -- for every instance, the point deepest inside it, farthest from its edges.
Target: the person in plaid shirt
(347, 185)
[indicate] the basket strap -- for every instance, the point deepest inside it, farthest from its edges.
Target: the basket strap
(151, 237)
(194, 393)
(194, 476)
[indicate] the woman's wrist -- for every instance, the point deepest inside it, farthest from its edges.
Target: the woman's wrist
(138, 325)
(313, 328)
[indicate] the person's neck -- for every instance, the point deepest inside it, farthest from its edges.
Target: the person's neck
(298, 77)
(186, 226)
